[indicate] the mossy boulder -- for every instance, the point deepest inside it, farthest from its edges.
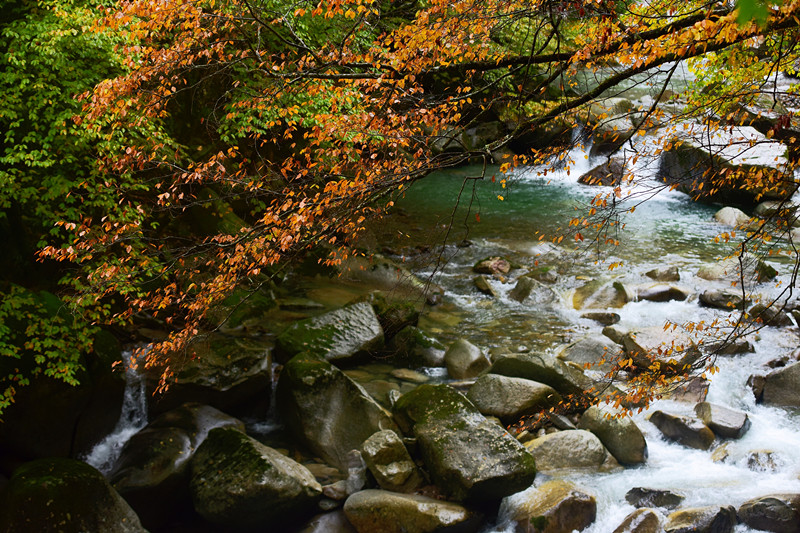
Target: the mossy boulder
(64, 495)
(468, 457)
(240, 484)
(326, 410)
(343, 335)
(620, 435)
(393, 314)
(555, 507)
(413, 348)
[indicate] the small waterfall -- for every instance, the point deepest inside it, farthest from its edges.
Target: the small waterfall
(132, 418)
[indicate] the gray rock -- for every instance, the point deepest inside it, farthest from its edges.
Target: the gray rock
(573, 450)
(726, 423)
(730, 269)
(770, 315)
(702, 520)
(492, 266)
(528, 290)
(733, 217)
(379, 511)
(615, 333)
(232, 475)
(779, 513)
(722, 299)
(597, 352)
(770, 208)
(735, 346)
(692, 390)
(671, 348)
(641, 521)
(602, 317)
(763, 461)
(379, 272)
(152, 470)
(509, 399)
(621, 436)
(349, 333)
(483, 285)
(599, 295)
(544, 369)
(412, 347)
(555, 507)
(391, 465)
(64, 495)
(643, 497)
(782, 387)
(465, 360)
(684, 430)
(609, 173)
(326, 410)
(467, 456)
(664, 274)
(662, 293)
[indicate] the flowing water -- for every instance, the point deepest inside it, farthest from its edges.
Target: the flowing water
(669, 229)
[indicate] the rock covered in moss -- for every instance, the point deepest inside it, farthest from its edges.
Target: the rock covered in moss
(64, 495)
(467, 456)
(413, 348)
(555, 507)
(326, 410)
(238, 483)
(349, 333)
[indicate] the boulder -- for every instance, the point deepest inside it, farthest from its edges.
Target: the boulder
(609, 173)
(692, 390)
(596, 294)
(735, 346)
(664, 274)
(529, 291)
(509, 399)
(381, 273)
(349, 333)
(387, 458)
(733, 217)
(64, 495)
(152, 470)
(602, 317)
(555, 507)
(326, 410)
(725, 299)
(380, 511)
(684, 430)
(782, 387)
(574, 450)
(726, 423)
(783, 210)
(621, 436)
(662, 293)
(763, 461)
(332, 522)
(641, 521)
(670, 347)
(710, 166)
(779, 513)
(543, 368)
(493, 266)
(393, 314)
(482, 284)
(643, 497)
(730, 270)
(465, 360)
(233, 475)
(702, 520)
(596, 352)
(467, 456)
(770, 315)
(413, 348)
(231, 373)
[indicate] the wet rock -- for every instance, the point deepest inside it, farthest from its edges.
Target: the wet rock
(724, 422)
(381, 273)
(621, 436)
(573, 450)
(555, 507)
(771, 316)
(782, 386)
(509, 399)
(730, 269)
(756, 384)
(545, 369)
(326, 410)
(672, 348)
(483, 285)
(610, 173)
(776, 512)
(467, 456)
(379, 511)
(662, 293)
(684, 430)
(333, 522)
(528, 290)
(670, 273)
(64, 495)
(615, 333)
(544, 274)
(733, 217)
(412, 347)
(702, 520)
(644, 497)
(641, 521)
(693, 390)
(391, 465)
(596, 352)
(599, 295)
(152, 470)
(465, 360)
(411, 376)
(731, 347)
(393, 314)
(492, 266)
(776, 208)
(763, 461)
(232, 475)
(349, 333)
(604, 318)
